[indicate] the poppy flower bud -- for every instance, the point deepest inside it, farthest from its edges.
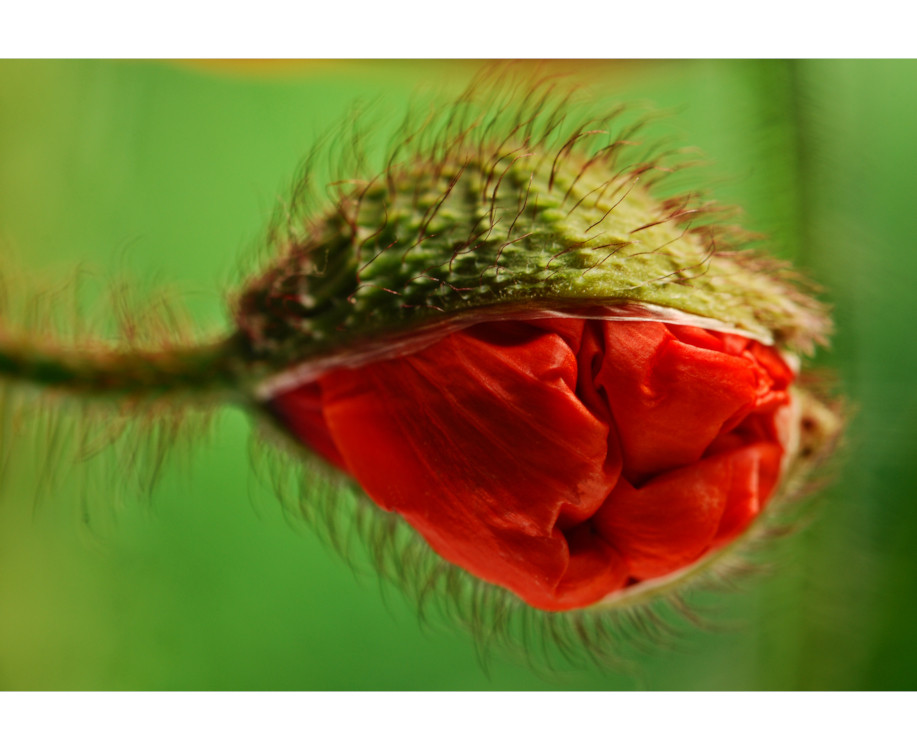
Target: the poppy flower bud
(567, 387)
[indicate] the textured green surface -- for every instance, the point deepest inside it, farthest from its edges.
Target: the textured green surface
(499, 219)
(163, 172)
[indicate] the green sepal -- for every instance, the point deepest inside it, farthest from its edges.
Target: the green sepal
(479, 232)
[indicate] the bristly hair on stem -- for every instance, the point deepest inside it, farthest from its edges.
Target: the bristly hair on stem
(105, 392)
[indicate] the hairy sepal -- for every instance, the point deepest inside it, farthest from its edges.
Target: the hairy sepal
(527, 209)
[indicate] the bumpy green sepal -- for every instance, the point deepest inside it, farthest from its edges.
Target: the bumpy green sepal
(478, 228)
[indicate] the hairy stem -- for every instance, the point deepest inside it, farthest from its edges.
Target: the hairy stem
(97, 371)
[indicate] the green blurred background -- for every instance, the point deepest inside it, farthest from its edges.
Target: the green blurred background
(171, 171)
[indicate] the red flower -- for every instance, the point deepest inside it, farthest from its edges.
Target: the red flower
(563, 459)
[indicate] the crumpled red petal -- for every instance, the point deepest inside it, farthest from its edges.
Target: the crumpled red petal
(562, 459)
(673, 391)
(670, 521)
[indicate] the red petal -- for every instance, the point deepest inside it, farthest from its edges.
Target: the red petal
(751, 474)
(674, 519)
(301, 410)
(666, 524)
(595, 570)
(671, 399)
(502, 445)
(481, 443)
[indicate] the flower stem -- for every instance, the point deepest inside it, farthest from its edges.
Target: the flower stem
(98, 371)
